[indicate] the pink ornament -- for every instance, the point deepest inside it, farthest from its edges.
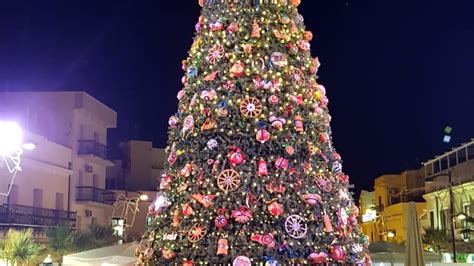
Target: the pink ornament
(273, 100)
(217, 26)
(242, 261)
(299, 124)
(233, 27)
(172, 157)
(266, 240)
(275, 209)
(166, 181)
(277, 122)
(327, 223)
(281, 163)
(173, 121)
(235, 156)
(293, 48)
(221, 220)
(262, 135)
(242, 214)
(262, 168)
(278, 60)
(208, 95)
(304, 45)
(318, 258)
(205, 200)
(337, 253)
(188, 123)
(312, 199)
(186, 170)
(181, 94)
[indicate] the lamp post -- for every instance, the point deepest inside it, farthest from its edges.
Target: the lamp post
(451, 207)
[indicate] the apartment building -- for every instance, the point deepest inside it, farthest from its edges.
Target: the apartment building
(67, 170)
(384, 210)
(451, 174)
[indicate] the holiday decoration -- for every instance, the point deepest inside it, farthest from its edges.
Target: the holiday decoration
(266, 240)
(196, 233)
(337, 253)
(228, 180)
(235, 156)
(312, 199)
(262, 168)
(206, 201)
(275, 208)
(187, 210)
(242, 261)
(295, 226)
(221, 220)
(262, 135)
(251, 107)
(318, 258)
(251, 174)
(223, 247)
(242, 214)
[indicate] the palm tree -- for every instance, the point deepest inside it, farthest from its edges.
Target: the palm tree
(61, 240)
(97, 236)
(436, 238)
(20, 248)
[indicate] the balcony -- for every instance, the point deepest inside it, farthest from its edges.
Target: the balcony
(19, 215)
(93, 151)
(95, 195)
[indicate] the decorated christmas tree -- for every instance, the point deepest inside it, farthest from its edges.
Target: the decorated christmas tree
(252, 176)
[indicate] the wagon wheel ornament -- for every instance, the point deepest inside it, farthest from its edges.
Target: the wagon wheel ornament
(215, 54)
(228, 180)
(295, 226)
(298, 77)
(196, 233)
(251, 107)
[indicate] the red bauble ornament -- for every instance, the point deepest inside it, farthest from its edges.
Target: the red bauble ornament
(275, 209)
(166, 181)
(262, 168)
(337, 253)
(233, 27)
(237, 70)
(262, 135)
(235, 156)
(221, 221)
(187, 210)
(188, 263)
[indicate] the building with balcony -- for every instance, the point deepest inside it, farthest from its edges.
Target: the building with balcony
(74, 124)
(136, 173)
(459, 164)
(384, 210)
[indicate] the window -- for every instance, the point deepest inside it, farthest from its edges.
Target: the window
(444, 219)
(80, 180)
(60, 201)
(432, 219)
(38, 198)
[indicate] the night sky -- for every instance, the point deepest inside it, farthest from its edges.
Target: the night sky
(397, 72)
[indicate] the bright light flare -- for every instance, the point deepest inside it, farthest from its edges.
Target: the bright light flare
(11, 138)
(144, 197)
(29, 146)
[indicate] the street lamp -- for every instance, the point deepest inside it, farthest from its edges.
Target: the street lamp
(451, 206)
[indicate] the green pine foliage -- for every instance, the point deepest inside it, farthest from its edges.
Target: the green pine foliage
(252, 173)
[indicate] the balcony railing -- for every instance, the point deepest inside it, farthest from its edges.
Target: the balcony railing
(91, 147)
(94, 194)
(12, 214)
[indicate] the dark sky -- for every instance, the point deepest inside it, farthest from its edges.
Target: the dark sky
(397, 72)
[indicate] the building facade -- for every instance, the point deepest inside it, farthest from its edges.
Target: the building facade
(384, 210)
(137, 173)
(71, 128)
(457, 165)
